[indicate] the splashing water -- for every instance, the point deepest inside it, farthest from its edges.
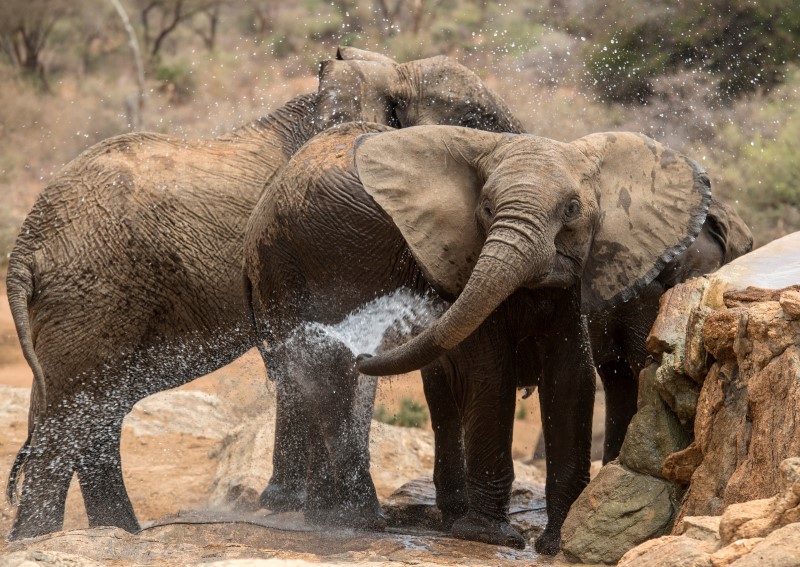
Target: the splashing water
(386, 321)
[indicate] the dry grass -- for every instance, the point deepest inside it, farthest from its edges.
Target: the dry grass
(538, 70)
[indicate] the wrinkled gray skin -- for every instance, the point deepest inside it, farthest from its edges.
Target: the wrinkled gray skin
(504, 227)
(618, 334)
(125, 279)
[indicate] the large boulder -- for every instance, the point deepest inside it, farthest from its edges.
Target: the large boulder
(618, 510)
(755, 533)
(748, 416)
(717, 413)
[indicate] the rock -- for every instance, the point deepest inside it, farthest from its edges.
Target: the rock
(695, 363)
(679, 393)
(189, 412)
(790, 303)
(732, 552)
(781, 548)
(244, 465)
(669, 551)
(251, 539)
(776, 265)
(668, 333)
(31, 558)
(720, 412)
(719, 333)
(14, 408)
(748, 420)
(680, 466)
(703, 528)
(618, 510)
(746, 520)
(398, 454)
(751, 294)
(654, 432)
(758, 518)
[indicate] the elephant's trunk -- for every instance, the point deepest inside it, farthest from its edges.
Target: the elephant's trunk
(507, 261)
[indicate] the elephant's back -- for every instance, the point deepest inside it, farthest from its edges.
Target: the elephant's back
(127, 252)
(325, 237)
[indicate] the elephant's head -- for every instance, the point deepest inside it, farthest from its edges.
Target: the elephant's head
(364, 86)
(486, 214)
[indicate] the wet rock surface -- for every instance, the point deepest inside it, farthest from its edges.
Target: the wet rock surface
(214, 537)
(227, 457)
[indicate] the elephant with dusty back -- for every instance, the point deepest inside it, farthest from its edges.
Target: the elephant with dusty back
(125, 279)
(515, 231)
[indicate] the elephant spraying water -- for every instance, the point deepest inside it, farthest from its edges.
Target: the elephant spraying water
(125, 279)
(514, 232)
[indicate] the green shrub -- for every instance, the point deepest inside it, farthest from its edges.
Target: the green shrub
(411, 414)
(754, 160)
(744, 45)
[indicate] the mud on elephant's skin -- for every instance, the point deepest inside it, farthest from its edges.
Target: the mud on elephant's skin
(125, 279)
(502, 226)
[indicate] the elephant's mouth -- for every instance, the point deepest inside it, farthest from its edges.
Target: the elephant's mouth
(564, 273)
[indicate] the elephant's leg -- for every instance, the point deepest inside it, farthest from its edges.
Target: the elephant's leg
(488, 419)
(566, 395)
(99, 469)
(619, 384)
(48, 471)
(340, 402)
(347, 439)
(322, 499)
(287, 487)
(449, 469)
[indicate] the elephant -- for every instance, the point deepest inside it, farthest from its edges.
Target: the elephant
(125, 279)
(515, 233)
(618, 333)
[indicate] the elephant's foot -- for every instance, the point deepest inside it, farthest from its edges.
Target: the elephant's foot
(452, 511)
(32, 526)
(121, 516)
(448, 519)
(548, 543)
(280, 498)
(484, 529)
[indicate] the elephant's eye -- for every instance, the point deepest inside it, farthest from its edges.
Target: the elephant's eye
(487, 211)
(572, 209)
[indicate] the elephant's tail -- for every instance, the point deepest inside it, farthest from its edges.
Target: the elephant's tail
(251, 314)
(19, 287)
(19, 463)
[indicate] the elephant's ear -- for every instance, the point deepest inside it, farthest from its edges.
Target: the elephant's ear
(729, 230)
(428, 179)
(653, 203)
(347, 53)
(357, 91)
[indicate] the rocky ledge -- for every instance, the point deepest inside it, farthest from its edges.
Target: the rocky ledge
(718, 415)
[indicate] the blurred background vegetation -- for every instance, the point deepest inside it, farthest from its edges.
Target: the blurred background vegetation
(715, 79)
